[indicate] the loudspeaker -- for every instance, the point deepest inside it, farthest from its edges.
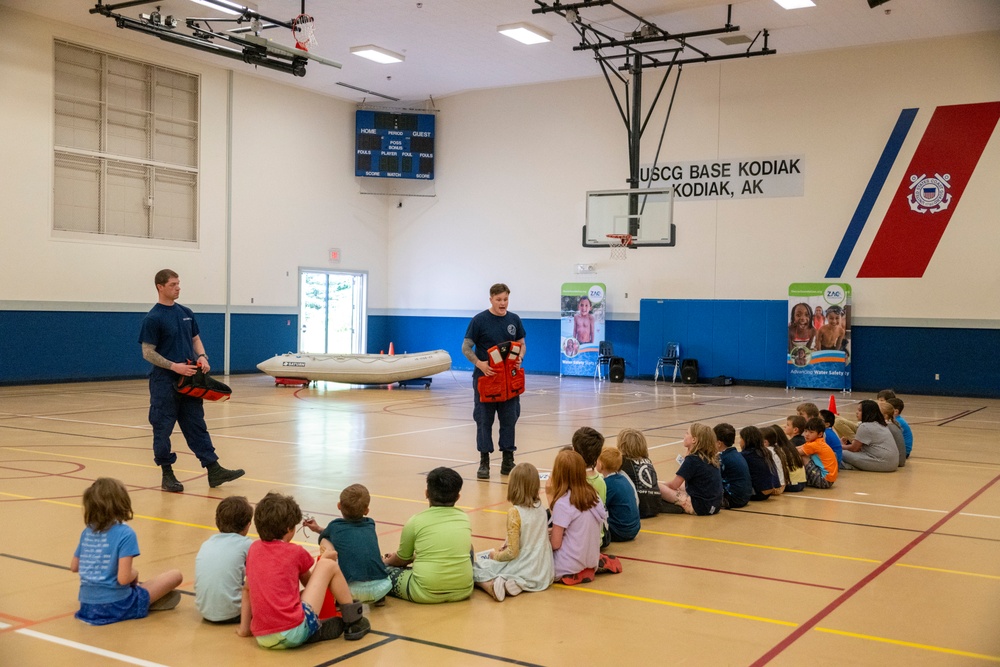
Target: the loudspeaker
(689, 371)
(616, 369)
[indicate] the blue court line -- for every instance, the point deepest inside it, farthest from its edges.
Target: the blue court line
(875, 185)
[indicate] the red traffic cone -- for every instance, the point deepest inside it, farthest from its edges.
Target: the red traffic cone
(392, 352)
(833, 405)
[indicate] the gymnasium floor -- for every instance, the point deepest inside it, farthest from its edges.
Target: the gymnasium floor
(883, 569)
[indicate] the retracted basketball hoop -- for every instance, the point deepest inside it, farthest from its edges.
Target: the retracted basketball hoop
(304, 31)
(619, 245)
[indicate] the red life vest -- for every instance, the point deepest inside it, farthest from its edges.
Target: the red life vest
(508, 379)
(203, 386)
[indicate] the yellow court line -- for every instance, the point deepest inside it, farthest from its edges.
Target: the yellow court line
(762, 546)
(940, 569)
(679, 605)
(84, 458)
(762, 619)
(897, 642)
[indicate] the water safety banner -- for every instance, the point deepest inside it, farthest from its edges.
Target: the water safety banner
(819, 336)
(582, 327)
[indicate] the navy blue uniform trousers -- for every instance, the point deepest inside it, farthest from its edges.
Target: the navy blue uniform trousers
(166, 408)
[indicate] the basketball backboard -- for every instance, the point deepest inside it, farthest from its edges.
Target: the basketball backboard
(647, 214)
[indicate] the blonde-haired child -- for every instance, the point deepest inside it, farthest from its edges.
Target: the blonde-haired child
(109, 586)
(577, 518)
(697, 487)
(524, 562)
(638, 468)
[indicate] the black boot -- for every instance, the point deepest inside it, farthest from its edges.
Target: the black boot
(217, 475)
(170, 482)
(484, 466)
(508, 463)
(356, 625)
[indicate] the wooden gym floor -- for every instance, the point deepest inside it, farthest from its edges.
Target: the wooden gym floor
(883, 569)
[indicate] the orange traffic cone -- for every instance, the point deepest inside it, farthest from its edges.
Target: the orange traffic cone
(392, 352)
(833, 404)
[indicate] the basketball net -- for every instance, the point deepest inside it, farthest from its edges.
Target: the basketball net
(619, 245)
(303, 30)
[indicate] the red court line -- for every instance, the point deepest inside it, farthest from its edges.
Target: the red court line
(731, 572)
(849, 593)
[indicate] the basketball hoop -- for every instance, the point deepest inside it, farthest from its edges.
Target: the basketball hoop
(619, 245)
(303, 30)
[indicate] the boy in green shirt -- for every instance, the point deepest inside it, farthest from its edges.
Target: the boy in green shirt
(438, 544)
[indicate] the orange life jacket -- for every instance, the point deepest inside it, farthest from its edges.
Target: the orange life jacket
(508, 379)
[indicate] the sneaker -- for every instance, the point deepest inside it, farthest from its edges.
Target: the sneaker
(171, 484)
(357, 629)
(499, 592)
(484, 466)
(512, 587)
(329, 629)
(508, 463)
(220, 476)
(609, 565)
(581, 577)
(168, 601)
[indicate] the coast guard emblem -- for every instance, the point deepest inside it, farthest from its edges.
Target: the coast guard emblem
(511, 329)
(929, 193)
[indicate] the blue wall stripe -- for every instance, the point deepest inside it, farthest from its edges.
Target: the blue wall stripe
(875, 185)
(743, 339)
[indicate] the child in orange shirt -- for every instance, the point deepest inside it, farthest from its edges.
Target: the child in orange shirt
(817, 457)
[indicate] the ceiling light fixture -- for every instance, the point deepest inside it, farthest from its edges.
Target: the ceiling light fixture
(226, 6)
(524, 33)
(795, 4)
(377, 53)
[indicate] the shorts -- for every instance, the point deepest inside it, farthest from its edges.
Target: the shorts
(136, 605)
(295, 637)
(370, 591)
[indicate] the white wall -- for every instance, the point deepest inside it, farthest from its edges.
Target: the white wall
(512, 169)
(514, 165)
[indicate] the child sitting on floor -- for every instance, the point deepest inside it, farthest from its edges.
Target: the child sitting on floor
(736, 485)
(639, 469)
(897, 406)
(697, 487)
(623, 501)
(437, 542)
(819, 460)
(791, 461)
(763, 476)
(355, 543)
(524, 562)
(221, 564)
(577, 517)
(109, 586)
(279, 615)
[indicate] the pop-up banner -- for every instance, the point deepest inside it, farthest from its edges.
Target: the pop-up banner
(582, 327)
(819, 336)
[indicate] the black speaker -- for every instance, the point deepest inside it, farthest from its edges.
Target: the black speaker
(616, 369)
(689, 371)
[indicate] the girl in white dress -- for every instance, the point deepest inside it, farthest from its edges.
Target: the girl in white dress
(524, 562)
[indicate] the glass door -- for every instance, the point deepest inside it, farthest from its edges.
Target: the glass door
(331, 312)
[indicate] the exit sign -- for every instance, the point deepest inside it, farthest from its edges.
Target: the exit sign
(334, 254)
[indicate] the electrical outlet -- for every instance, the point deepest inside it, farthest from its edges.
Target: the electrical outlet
(937, 376)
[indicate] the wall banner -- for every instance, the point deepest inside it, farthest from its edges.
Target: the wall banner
(581, 328)
(819, 336)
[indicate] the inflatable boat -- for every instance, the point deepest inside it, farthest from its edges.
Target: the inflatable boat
(356, 368)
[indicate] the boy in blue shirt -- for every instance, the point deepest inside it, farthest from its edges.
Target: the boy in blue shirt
(736, 485)
(623, 499)
(221, 564)
(897, 405)
(356, 544)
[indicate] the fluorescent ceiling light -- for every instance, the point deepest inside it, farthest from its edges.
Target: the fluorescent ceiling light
(226, 6)
(377, 53)
(524, 33)
(795, 4)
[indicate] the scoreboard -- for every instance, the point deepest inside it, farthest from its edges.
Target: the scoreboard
(394, 145)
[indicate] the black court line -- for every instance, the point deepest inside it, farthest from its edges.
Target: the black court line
(863, 525)
(946, 460)
(961, 415)
(65, 567)
(390, 637)
(42, 430)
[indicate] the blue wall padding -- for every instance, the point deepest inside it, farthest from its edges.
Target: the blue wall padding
(743, 339)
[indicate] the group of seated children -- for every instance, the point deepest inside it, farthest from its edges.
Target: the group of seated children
(278, 593)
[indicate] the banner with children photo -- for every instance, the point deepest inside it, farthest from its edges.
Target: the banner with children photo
(582, 328)
(819, 336)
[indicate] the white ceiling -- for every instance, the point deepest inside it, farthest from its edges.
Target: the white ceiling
(452, 46)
